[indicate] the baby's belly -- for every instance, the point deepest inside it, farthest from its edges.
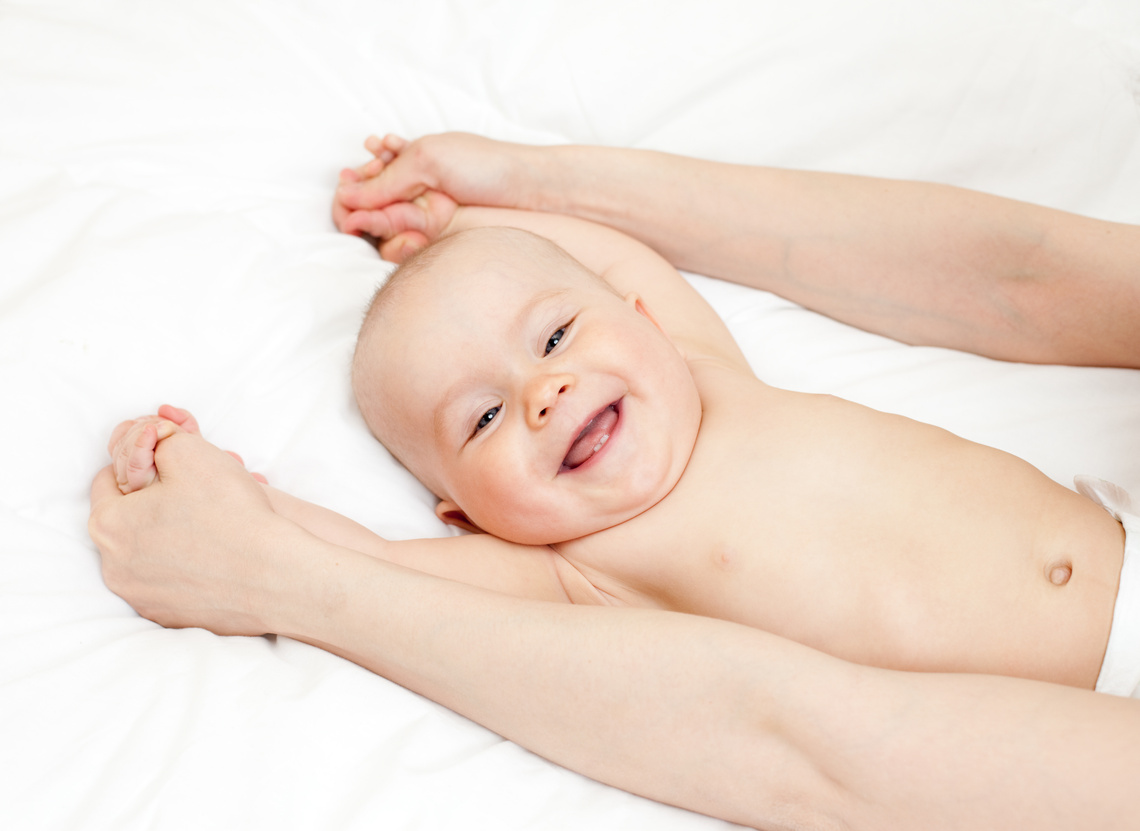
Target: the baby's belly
(1032, 599)
(1015, 579)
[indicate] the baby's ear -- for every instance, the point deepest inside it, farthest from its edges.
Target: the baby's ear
(634, 299)
(639, 306)
(451, 513)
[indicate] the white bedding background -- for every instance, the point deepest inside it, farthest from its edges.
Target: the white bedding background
(165, 175)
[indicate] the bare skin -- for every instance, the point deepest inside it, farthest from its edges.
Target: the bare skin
(705, 714)
(869, 536)
(872, 537)
(803, 515)
(923, 263)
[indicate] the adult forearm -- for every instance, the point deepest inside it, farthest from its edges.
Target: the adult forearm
(655, 703)
(731, 721)
(923, 263)
(920, 262)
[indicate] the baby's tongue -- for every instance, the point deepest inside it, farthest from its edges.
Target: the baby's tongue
(591, 439)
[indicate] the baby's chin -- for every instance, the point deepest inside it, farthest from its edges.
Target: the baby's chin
(561, 529)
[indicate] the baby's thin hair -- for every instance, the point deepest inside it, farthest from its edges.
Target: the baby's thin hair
(406, 271)
(422, 260)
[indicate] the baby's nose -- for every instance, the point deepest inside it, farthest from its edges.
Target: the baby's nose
(543, 397)
(545, 410)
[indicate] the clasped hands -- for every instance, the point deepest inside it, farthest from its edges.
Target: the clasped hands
(183, 528)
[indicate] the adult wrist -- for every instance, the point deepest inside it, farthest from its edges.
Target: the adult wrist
(294, 565)
(581, 181)
(548, 180)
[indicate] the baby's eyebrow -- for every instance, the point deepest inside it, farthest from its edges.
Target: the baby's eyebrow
(538, 300)
(442, 418)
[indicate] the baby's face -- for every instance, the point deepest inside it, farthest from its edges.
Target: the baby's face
(540, 403)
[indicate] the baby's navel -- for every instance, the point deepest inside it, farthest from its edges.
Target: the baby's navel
(1059, 573)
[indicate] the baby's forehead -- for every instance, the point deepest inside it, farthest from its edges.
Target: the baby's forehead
(487, 290)
(463, 305)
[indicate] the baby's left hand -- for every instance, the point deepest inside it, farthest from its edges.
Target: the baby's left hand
(401, 227)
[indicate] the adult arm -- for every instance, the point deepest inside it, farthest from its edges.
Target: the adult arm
(736, 723)
(706, 714)
(923, 263)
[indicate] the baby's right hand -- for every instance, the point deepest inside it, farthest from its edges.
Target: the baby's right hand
(132, 447)
(133, 443)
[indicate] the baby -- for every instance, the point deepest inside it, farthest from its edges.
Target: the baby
(561, 389)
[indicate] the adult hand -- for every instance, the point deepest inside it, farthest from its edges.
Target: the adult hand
(194, 548)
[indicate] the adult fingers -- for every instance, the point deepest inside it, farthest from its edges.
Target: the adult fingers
(386, 148)
(183, 418)
(105, 495)
(401, 180)
(104, 487)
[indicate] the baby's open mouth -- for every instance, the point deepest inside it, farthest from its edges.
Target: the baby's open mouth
(592, 438)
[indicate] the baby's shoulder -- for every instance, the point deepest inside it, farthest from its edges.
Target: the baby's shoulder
(731, 393)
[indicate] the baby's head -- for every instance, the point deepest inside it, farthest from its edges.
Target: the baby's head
(537, 403)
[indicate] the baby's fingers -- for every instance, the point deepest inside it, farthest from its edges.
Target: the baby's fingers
(125, 432)
(134, 459)
(117, 435)
(387, 222)
(402, 246)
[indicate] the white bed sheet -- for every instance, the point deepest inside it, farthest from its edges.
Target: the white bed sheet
(165, 175)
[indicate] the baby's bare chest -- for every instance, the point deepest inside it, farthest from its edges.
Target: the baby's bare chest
(809, 517)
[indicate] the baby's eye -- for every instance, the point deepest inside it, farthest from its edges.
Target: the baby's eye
(554, 339)
(487, 418)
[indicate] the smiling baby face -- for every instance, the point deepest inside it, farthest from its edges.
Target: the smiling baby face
(538, 404)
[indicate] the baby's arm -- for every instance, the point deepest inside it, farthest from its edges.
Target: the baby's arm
(920, 262)
(534, 572)
(631, 267)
